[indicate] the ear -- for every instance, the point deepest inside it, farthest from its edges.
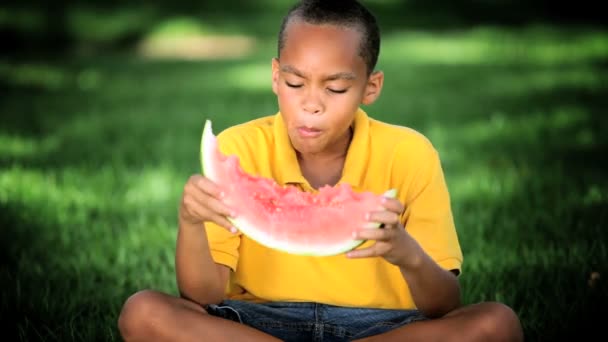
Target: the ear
(275, 75)
(373, 87)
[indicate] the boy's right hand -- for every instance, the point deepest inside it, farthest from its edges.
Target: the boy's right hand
(202, 201)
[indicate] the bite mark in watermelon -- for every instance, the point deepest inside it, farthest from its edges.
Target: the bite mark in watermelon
(284, 217)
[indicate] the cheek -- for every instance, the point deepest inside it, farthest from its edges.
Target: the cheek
(345, 102)
(284, 98)
(287, 96)
(287, 103)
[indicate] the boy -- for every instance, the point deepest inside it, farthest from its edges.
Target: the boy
(400, 285)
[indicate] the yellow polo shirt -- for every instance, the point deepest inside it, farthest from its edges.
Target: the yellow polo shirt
(381, 156)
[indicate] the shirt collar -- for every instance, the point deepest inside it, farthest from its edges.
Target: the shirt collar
(354, 165)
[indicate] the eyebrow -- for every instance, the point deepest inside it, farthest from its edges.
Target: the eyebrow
(337, 76)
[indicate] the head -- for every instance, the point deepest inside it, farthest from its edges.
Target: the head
(327, 53)
(341, 13)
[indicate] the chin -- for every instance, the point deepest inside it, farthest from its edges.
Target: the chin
(307, 148)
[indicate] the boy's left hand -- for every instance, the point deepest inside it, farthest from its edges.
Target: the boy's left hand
(392, 240)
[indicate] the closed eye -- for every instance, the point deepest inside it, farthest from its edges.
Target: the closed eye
(291, 85)
(337, 91)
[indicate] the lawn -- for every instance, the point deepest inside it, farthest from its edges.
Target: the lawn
(96, 144)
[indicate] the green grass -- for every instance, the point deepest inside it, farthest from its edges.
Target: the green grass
(95, 149)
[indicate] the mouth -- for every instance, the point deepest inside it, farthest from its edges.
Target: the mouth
(309, 132)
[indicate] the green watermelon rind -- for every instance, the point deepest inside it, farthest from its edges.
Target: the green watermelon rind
(208, 148)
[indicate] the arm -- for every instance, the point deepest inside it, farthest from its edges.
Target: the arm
(199, 278)
(429, 235)
(434, 290)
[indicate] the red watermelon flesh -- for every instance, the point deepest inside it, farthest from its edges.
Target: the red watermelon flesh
(284, 217)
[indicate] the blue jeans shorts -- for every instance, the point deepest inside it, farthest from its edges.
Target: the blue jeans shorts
(313, 322)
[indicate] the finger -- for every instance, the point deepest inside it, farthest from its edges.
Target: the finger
(372, 251)
(374, 234)
(388, 218)
(220, 208)
(224, 222)
(197, 210)
(207, 186)
(393, 205)
(197, 195)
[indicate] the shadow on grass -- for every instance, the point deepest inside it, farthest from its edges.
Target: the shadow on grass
(539, 248)
(578, 146)
(46, 295)
(446, 14)
(552, 225)
(133, 119)
(38, 27)
(555, 302)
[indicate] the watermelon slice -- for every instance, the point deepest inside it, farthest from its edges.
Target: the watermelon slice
(284, 217)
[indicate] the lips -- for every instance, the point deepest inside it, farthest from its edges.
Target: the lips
(309, 132)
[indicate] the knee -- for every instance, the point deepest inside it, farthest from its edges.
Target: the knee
(500, 323)
(139, 313)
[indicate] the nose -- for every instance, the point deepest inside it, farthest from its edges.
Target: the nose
(311, 103)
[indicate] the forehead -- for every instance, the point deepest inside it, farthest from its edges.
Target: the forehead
(322, 46)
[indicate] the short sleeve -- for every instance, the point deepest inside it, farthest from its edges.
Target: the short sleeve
(223, 245)
(428, 215)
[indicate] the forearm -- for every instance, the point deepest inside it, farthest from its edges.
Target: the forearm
(198, 277)
(435, 291)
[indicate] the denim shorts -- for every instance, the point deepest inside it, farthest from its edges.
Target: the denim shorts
(313, 322)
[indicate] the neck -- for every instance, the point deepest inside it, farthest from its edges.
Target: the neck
(325, 169)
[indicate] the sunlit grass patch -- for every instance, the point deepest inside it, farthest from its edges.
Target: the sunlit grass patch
(74, 199)
(19, 147)
(85, 221)
(34, 75)
(487, 45)
(188, 38)
(528, 128)
(481, 181)
(47, 76)
(249, 76)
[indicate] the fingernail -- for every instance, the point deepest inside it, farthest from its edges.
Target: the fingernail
(222, 194)
(354, 234)
(367, 216)
(233, 230)
(233, 214)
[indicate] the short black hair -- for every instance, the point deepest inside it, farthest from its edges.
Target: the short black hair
(342, 13)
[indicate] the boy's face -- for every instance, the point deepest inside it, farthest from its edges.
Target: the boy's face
(320, 81)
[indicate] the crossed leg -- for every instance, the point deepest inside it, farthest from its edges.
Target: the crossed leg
(155, 316)
(488, 321)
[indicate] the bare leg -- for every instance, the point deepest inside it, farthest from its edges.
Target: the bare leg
(479, 322)
(154, 316)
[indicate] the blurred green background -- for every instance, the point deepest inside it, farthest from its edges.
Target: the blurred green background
(102, 106)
